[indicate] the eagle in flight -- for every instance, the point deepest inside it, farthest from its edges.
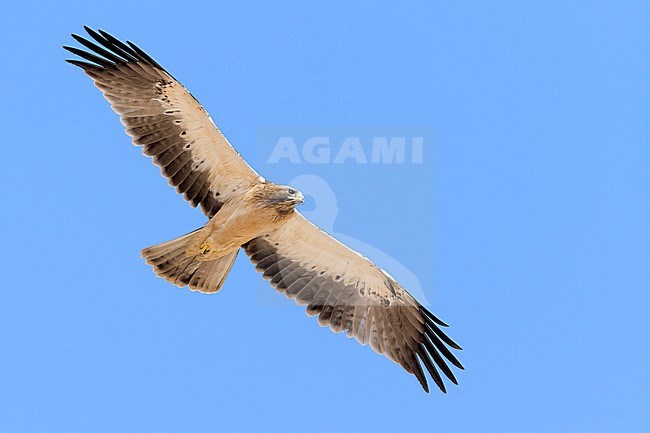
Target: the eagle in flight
(346, 290)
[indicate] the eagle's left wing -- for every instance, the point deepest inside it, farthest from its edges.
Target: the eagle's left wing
(349, 292)
(164, 119)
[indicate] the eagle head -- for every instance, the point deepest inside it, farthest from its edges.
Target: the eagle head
(281, 197)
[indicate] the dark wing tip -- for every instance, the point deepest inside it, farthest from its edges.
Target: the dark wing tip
(435, 336)
(82, 65)
(101, 61)
(426, 360)
(423, 382)
(418, 372)
(110, 51)
(146, 57)
(433, 322)
(444, 337)
(433, 350)
(431, 316)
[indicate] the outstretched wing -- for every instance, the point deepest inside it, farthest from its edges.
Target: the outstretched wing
(348, 292)
(166, 120)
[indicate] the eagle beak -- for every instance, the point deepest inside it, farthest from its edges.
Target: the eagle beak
(300, 198)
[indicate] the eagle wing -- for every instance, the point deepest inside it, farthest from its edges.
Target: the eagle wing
(166, 120)
(349, 292)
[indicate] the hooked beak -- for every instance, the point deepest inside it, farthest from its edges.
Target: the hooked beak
(299, 197)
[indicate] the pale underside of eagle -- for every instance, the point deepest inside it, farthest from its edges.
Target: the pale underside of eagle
(346, 290)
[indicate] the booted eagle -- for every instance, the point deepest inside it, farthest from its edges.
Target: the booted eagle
(346, 290)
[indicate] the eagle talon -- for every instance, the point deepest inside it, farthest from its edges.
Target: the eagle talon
(205, 247)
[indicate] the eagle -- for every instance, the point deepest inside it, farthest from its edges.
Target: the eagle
(344, 289)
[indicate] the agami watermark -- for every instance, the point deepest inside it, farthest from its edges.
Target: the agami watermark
(315, 159)
(356, 149)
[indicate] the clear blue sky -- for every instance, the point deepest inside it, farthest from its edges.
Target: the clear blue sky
(527, 225)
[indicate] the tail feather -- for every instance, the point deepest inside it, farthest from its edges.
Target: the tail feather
(171, 261)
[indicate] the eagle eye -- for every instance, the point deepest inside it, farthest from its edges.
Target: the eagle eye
(291, 191)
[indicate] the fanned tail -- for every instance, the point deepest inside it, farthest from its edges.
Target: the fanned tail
(172, 261)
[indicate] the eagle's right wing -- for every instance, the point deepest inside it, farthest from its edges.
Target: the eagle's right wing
(349, 293)
(166, 120)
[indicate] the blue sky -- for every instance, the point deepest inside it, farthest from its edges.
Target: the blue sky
(526, 224)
